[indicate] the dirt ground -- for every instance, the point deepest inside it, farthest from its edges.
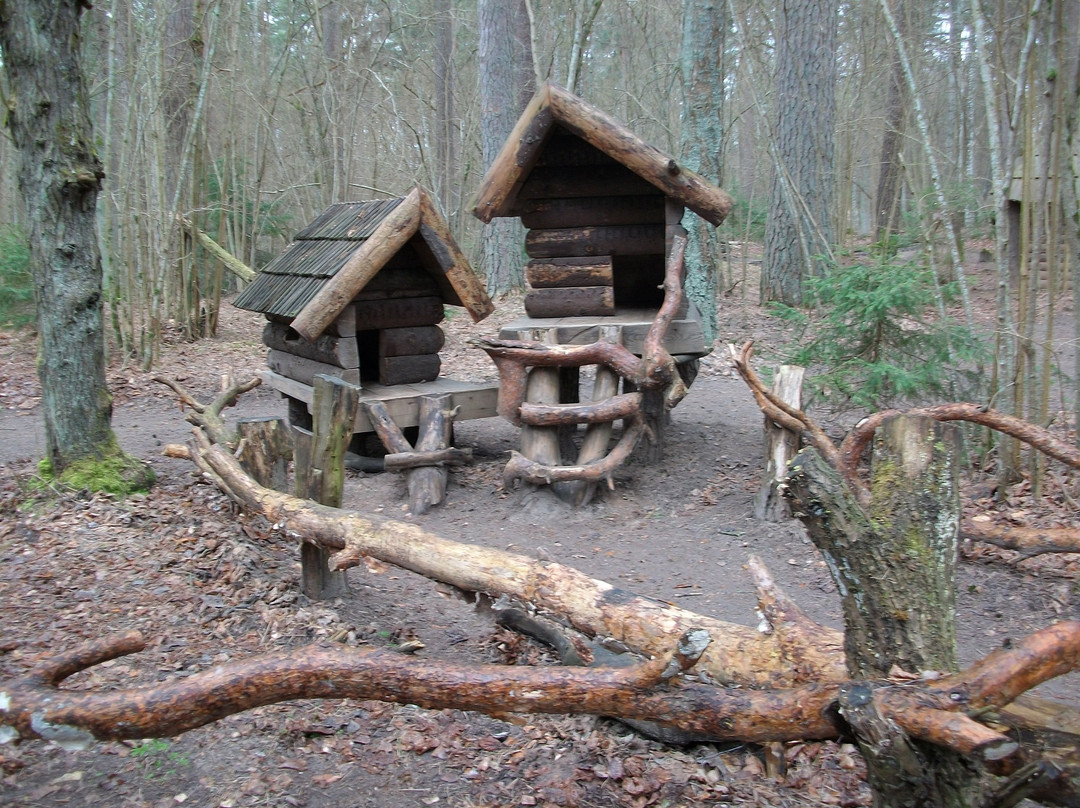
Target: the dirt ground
(206, 584)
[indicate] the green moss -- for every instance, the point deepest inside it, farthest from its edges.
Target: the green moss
(114, 472)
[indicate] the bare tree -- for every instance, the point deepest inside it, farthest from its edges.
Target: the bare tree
(60, 178)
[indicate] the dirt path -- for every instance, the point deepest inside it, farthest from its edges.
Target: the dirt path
(207, 583)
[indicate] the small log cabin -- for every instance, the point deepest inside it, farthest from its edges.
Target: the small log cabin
(603, 211)
(359, 295)
(601, 208)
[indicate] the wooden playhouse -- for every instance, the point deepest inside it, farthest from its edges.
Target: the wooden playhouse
(603, 212)
(359, 295)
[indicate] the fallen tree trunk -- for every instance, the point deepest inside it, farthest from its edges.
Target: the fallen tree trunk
(933, 711)
(738, 654)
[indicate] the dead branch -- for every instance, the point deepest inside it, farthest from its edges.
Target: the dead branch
(1028, 541)
(208, 416)
(34, 706)
(521, 467)
(1035, 436)
(790, 418)
(594, 412)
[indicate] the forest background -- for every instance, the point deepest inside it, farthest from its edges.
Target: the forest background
(835, 125)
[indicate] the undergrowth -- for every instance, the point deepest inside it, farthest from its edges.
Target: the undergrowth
(874, 336)
(16, 282)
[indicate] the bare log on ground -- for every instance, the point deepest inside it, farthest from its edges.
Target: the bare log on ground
(34, 707)
(1028, 541)
(738, 654)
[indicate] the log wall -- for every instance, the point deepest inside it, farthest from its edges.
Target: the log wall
(596, 235)
(388, 334)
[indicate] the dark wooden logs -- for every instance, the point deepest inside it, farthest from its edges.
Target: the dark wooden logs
(549, 273)
(320, 475)
(409, 369)
(559, 182)
(422, 339)
(405, 312)
(329, 348)
(592, 210)
(781, 445)
(583, 301)
(638, 239)
(305, 370)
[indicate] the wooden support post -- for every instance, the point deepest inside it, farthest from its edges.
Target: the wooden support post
(427, 485)
(264, 450)
(320, 474)
(780, 446)
(594, 445)
(654, 413)
(541, 443)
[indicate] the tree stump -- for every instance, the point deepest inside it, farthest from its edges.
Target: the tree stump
(781, 445)
(264, 449)
(894, 562)
(320, 474)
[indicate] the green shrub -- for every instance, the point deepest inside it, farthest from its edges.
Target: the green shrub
(16, 282)
(875, 339)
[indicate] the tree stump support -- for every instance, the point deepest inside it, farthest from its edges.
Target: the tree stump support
(264, 448)
(894, 563)
(425, 464)
(320, 475)
(781, 445)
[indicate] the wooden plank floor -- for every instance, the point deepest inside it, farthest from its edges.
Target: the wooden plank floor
(684, 337)
(403, 400)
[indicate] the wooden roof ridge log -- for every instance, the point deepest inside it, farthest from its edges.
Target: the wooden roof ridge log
(553, 105)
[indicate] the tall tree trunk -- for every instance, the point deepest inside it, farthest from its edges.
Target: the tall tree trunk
(798, 229)
(887, 208)
(60, 177)
(447, 189)
(705, 25)
(506, 84)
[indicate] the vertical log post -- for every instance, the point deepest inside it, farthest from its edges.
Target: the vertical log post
(594, 445)
(541, 443)
(781, 446)
(427, 485)
(320, 474)
(894, 562)
(264, 450)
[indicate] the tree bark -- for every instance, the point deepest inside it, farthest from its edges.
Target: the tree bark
(705, 27)
(798, 229)
(894, 562)
(60, 178)
(506, 84)
(781, 445)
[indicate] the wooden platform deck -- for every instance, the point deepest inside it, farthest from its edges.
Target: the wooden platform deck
(402, 401)
(684, 338)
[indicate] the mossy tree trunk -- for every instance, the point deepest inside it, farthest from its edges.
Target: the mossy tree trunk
(60, 176)
(894, 562)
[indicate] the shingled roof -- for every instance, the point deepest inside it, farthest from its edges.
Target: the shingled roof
(553, 107)
(333, 258)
